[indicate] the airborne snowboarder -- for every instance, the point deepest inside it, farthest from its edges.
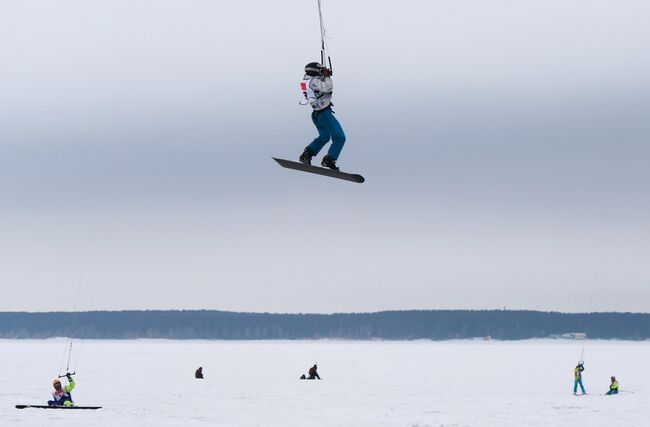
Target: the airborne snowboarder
(317, 88)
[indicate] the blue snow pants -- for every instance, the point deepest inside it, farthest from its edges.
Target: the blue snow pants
(328, 128)
(575, 386)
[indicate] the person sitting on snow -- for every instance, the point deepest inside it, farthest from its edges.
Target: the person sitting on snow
(613, 387)
(313, 374)
(199, 373)
(61, 395)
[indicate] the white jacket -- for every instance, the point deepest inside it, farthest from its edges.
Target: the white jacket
(318, 91)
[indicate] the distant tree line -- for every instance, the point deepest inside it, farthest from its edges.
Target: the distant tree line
(386, 325)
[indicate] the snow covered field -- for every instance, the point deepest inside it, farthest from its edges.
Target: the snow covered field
(150, 383)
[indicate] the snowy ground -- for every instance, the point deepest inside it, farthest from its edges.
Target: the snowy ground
(150, 383)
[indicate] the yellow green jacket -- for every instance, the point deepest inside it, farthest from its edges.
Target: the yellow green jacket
(577, 372)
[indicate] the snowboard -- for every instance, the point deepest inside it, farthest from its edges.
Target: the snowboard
(319, 170)
(56, 407)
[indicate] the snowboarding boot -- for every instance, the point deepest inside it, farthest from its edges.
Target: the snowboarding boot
(305, 157)
(330, 163)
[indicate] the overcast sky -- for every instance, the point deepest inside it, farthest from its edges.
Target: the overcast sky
(505, 144)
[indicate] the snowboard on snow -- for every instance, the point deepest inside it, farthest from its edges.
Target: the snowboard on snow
(56, 407)
(320, 171)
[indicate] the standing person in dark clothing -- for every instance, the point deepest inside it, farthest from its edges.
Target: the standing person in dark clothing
(313, 374)
(199, 373)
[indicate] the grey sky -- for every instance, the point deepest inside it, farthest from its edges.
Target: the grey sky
(505, 146)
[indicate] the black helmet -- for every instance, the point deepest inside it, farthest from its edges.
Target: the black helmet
(313, 69)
